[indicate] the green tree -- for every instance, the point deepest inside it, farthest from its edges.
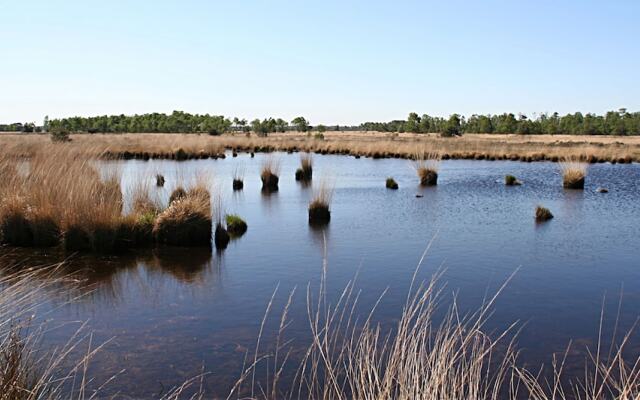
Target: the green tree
(301, 124)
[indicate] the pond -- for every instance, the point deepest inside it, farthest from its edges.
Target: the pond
(169, 314)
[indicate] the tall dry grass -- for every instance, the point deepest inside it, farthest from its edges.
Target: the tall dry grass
(305, 172)
(352, 357)
(319, 205)
(470, 146)
(269, 173)
(427, 165)
(27, 370)
(574, 173)
(59, 197)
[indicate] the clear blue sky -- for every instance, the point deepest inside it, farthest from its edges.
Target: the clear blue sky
(332, 61)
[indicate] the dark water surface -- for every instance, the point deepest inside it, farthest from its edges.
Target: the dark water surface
(172, 313)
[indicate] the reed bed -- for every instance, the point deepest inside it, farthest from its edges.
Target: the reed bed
(59, 198)
(586, 148)
(573, 174)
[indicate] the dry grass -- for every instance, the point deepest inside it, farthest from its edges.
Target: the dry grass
(350, 356)
(238, 177)
(28, 372)
(469, 146)
(573, 174)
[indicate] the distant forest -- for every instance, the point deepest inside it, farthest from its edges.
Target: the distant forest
(618, 122)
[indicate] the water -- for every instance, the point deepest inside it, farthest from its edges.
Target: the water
(172, 313)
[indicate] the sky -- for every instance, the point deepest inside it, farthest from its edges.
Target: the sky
(339, 61)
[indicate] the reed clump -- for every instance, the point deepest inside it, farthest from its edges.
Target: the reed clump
(269, 174)
(186, 221)
(236, 226)
(391, 184)
(305, 172)
(573, 174)
(319, 212)
(426, 165)
(543, 214)
(238, 178)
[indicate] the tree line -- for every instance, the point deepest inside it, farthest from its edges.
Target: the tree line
(618, 122)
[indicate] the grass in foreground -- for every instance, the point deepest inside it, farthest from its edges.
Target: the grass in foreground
(351, 357)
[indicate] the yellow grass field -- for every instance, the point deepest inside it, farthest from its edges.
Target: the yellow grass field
(375, 144)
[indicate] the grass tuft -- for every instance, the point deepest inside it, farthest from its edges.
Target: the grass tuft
(426, 165)
(573, 174)
(391, 184)
(319, 212)
(236, 226)
(543, 214)
(269, 174)
(305, 172)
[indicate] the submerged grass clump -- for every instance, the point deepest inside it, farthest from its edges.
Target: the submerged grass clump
(236, 226)
(319, 212)
(543, 214)
(305, 172)
(573, 174)
(426, 165)
(391, 184)
(269, 174)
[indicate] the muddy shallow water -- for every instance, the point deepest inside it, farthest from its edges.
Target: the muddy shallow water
(172, 313)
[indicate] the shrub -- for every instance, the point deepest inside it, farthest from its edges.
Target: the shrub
(60, 136)
(236, 226)
(318, 136)
(543, 214)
